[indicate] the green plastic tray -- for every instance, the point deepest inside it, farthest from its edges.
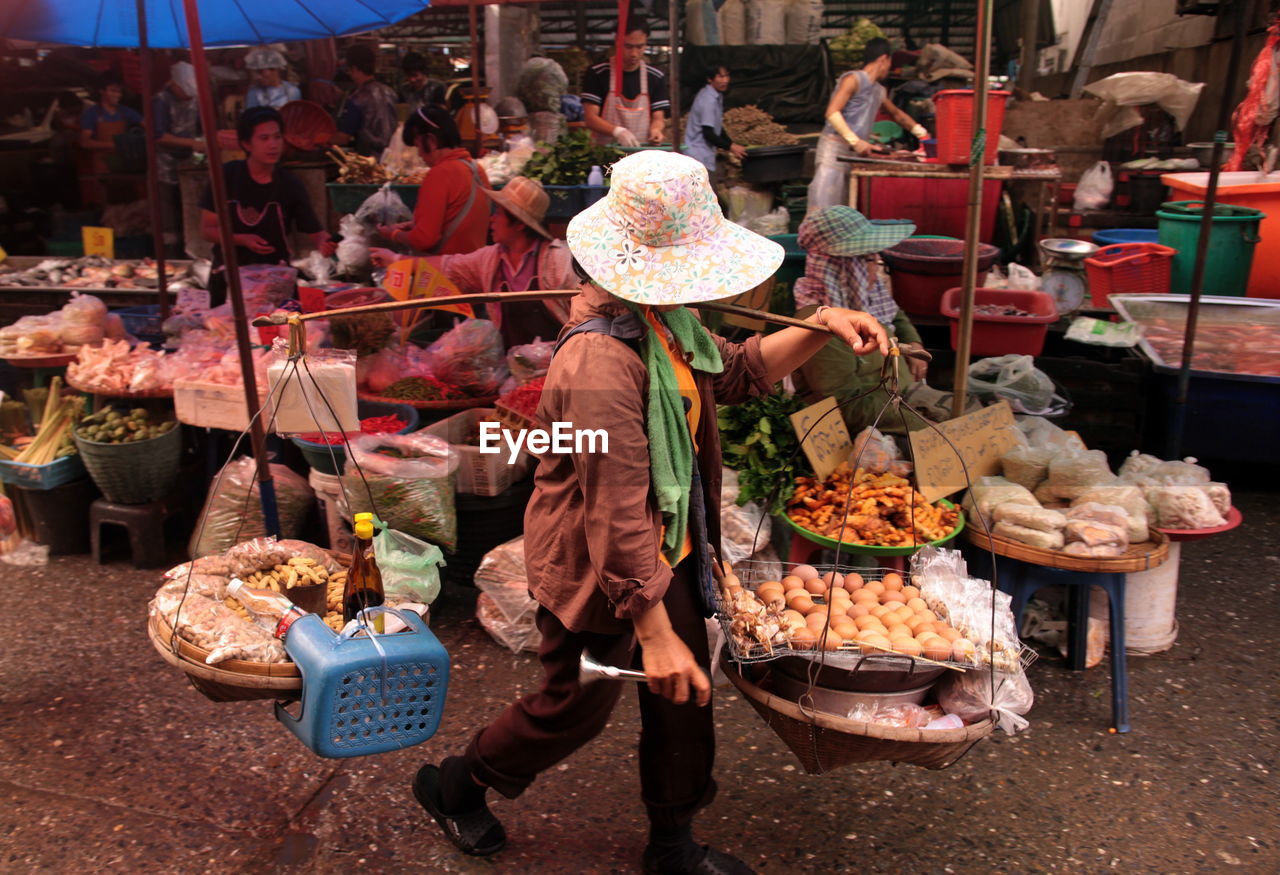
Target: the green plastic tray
(868, 549)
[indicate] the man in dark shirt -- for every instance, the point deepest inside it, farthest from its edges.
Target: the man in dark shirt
(368, 115)
(419, 88)
(265, 202)
(639, 112)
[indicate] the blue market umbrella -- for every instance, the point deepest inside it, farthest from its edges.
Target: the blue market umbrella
(115, 23)
(193, 24)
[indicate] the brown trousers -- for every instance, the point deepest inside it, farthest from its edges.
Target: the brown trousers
(677, 742)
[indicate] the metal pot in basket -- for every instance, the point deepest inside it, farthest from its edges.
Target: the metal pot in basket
(138, 472)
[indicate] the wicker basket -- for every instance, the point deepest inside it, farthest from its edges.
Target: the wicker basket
(825, 741)
(134, 473)
(234, 680)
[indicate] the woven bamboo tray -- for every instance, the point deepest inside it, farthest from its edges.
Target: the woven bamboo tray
(1139, 557)
(450, 404)
(826, 741)
(151, 393)
(234, 680)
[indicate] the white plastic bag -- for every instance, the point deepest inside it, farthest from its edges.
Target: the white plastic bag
(410, 567)
(504, 607)
(383, 207)
(1094, 189)
(1013, 378)
(1075, 472)
(969, 696)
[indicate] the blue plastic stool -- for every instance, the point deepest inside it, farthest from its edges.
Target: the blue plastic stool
(1021, 580)
(365, 695)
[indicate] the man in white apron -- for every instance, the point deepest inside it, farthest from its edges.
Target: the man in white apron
(631, 108)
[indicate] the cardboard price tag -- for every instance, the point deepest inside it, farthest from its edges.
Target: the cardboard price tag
(829, 443)
(980, 439)
(99, 241)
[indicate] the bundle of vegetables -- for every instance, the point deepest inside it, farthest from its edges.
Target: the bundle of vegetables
(846, 49)
(752, 126)
(53, 435)
(760, 444)
(422, 389)
(358, 169)
(389, 424)
(569, 160)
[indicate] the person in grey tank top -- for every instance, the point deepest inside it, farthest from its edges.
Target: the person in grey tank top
(850, 114)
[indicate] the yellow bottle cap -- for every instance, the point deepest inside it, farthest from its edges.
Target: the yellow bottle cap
(364, 526)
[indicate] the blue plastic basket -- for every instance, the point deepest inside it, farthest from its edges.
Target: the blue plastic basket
(143, 322)
(363, 695)
(56, 473)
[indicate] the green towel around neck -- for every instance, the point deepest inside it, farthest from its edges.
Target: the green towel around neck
(670, 443)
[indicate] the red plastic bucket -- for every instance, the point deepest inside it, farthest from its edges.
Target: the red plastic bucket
(924, 268)
(954, 113)
(1003, 335)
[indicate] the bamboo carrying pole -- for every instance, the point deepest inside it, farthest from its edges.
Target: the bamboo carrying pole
(218, 185)
(973, 220)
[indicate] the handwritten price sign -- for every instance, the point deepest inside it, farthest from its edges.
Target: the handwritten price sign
(99, 241)
(980, 439)
(829, 443)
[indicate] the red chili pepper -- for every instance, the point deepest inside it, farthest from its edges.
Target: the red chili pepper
(370, 425)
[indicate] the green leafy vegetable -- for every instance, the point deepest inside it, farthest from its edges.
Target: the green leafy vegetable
(568, 161)
(758, 443)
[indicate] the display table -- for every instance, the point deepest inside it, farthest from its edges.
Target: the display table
(1023, 570)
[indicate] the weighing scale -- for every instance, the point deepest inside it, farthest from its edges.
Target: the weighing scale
(1064, 275)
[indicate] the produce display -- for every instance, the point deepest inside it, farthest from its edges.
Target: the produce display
(82, 321)
(93, 272)
(751, 126)
(568, 161)
(116, 369)
(760, 444)
(109, 426)
(882, 510)
(808, 610)
(52, 438)
(407, 480)
(389, 424)
(295, 572)
(422, 389)
(368, 170)
(523, 400)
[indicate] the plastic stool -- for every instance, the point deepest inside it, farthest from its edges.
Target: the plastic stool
(145, 523)
(1021, 580)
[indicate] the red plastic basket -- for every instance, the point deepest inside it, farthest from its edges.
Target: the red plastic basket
(1130, 269)
(1003, 335)
(954, 113)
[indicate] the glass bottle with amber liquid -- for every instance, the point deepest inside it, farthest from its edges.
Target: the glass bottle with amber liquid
(364, 580)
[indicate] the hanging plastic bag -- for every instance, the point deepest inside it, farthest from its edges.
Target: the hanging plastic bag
(969, 696)
(1013, 378)
(406, 480)
(353, 248)
(233, 511)
(504, 607)
(470, 356)
(383, 207)
(410, 567)
(530, 360)
(315, 393)
(1093, 192)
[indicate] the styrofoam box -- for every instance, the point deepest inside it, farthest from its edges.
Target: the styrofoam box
(479, 473)
(211, 405)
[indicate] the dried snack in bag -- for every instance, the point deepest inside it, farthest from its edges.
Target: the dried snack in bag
(1183, 507)
(991, 492)
(1027, 466)
(1031, 517)
(1045, 540)
(1093, 534)
(233, 511)
(1073, 473)
(1220, 495)
(1130, 499)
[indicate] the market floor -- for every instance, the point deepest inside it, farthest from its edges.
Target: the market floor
(110, 761)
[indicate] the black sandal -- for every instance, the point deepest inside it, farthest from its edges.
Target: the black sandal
(477, 832)
(710, 862)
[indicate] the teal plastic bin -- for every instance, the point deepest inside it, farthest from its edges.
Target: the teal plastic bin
(1232, 239)
(792, 268)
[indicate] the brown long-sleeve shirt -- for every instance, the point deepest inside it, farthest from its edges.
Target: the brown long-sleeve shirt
(592, 529)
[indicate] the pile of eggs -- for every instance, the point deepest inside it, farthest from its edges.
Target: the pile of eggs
(875, 616)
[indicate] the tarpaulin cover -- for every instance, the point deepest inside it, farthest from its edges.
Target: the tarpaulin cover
(791, 83)
(114, 23)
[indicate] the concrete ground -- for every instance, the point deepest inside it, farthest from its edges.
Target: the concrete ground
(109, 761)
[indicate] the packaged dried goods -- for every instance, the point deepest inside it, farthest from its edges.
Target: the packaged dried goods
(1027, 466)
(1183, 507)
(1130, 498)
(1220, 495)
(1041, 518)
(991, 492)
(233, 511)
(1045, 540)
(1072, 473)
(1093, 534)
(406, 480)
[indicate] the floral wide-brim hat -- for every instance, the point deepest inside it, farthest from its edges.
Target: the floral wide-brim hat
(659, 237)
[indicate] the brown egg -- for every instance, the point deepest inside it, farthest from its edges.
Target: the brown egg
(791, 582)
(865, 596)
(833, 579)
(856, 611)
(846, 629)
(837, 609)
(867, 622)
(803, 639)
(903, 613)
(900, 633)
(853, 581)
(962, 650)
(732, 580)
(926, 615)
(815, 586)
(893, 625)
(936, 648)
(793, 617)
(732, 591)
(816, 620)
(873, 586)
(908, 647)
(792, 593)
(801, 603)
(840, 597)
(892, 596)
(917, 604)
(911, 592)
(893, 580)
(949, 634)
(875, 644)
(920, 627)
(773, 584)
(832, 640)
(804, 572)
(881, 610)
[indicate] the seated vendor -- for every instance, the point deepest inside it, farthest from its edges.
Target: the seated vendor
(265, 202)
(843, 270)
(522, 258)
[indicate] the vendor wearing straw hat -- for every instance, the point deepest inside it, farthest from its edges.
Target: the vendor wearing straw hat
(842, 269)
(617, 543)
(523, 257)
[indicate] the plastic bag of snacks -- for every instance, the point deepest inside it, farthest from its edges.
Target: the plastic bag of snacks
(1184, 507)
(233, 510)
(410, 567)
(406, 480)
(1041, 518)
(1075, 472)
(1027, 466)
(208, 623)
(969, 696)
(1130, 498)
(877, 453)
(470, 356)
(990, 492)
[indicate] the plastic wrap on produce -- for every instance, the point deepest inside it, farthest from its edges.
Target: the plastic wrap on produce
(505, 607)
(233, 510)
(471, 357)
(211, 625)
(406, 480)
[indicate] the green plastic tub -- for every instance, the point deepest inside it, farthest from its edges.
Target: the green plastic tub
(1229, 259)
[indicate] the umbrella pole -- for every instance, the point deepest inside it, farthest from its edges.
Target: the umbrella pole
(475, 75)
(973, 219)
(218, 185)
(1179, 417)
(153, 181)
(673, 76)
